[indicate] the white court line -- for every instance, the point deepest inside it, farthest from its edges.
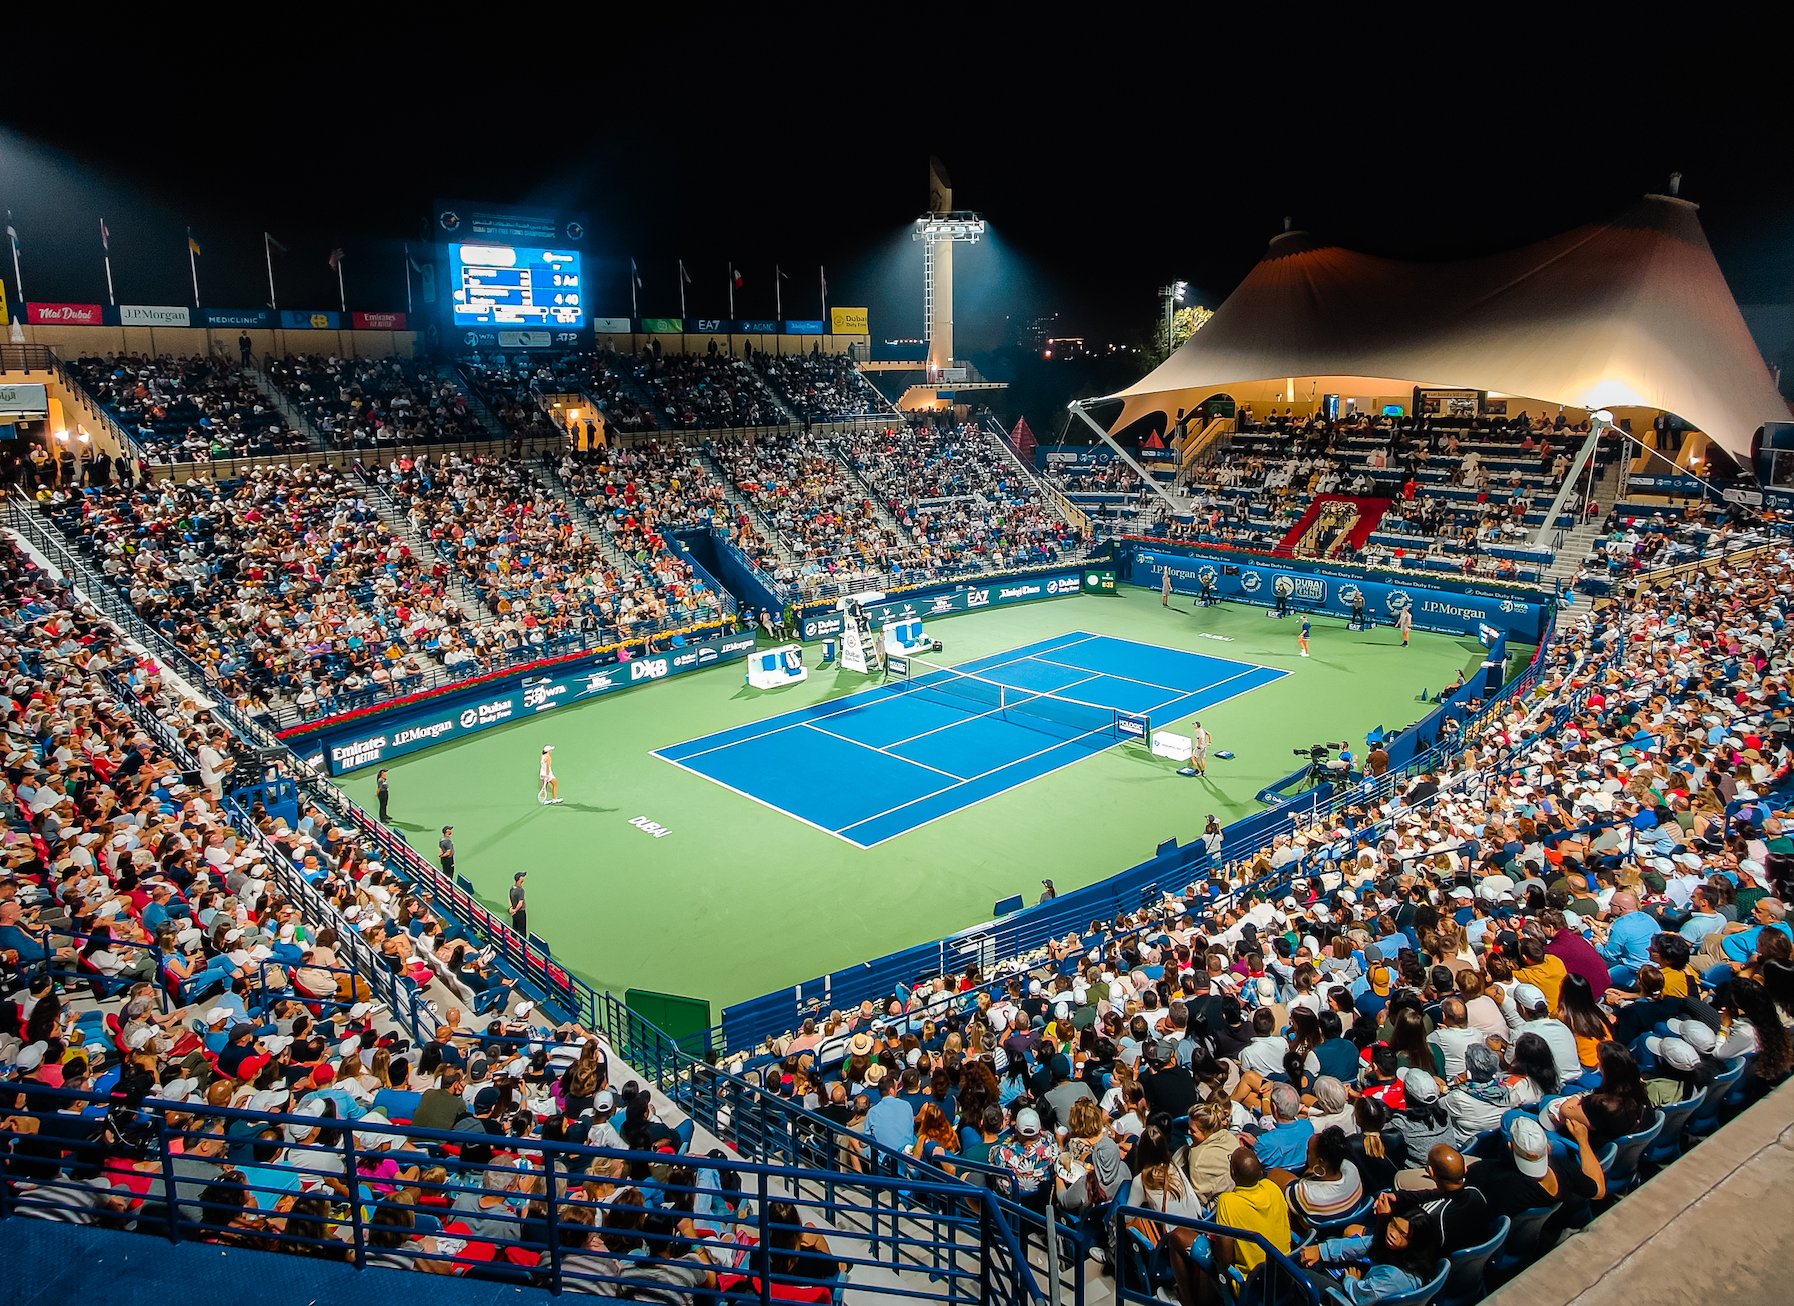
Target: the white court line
(973, 779)
(995, 711)
(1165, 648)
(1150, 684)
(752, 798)
(887, 752)
(1041, 775)
(963, 667)
(874, 694)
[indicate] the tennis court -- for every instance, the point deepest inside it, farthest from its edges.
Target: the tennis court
(885, 761)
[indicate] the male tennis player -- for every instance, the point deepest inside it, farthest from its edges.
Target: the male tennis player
(1199, 742)
(550, 789)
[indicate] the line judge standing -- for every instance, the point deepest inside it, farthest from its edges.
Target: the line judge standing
(445, 850)
(519, 908)
(1404, 622)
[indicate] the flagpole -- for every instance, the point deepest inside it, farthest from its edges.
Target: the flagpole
(822, 281)
(12, 237)
(407, 248)
(193, 266)
(634, 285)
(731, 290)
(268, 252)
(778, 294)
(106, 250)
(342, 297)
(682, 294)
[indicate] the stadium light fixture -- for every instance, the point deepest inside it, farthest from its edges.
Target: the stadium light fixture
(960, 225)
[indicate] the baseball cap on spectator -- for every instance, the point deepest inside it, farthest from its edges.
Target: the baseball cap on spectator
(140, 1037)
(277, 1043)
(1027, 1122)
(913, 1057)
(31, 1056)
(1698, 1036)
(1531, 1148)
(1673, 1052)
(323, 1074)
(269, 1099)
(1379, 981)
(1420, 1085)
(604, 1103)
(1529, 997)
(486, 1098)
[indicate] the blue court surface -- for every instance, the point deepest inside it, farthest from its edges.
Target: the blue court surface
(881, 762)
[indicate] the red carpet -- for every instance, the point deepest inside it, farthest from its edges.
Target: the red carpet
(1370, 512)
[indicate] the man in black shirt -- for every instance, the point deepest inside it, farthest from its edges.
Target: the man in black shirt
(1529, 1175)
(1460, 1213)
(383, 790)
(445, 850)
(519, 909)
(1169, 1087)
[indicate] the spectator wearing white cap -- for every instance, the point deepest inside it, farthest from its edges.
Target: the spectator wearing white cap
(1527, 1012)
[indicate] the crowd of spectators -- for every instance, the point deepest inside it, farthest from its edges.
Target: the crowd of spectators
(702, 392)
(826, 521)
(642, 491)
(533, 564)
(187, 409)
(1455, 1001)
(369, 402)
(821, 387)
(155, 948)
(964, 502)
(284, 585)
(511, 391)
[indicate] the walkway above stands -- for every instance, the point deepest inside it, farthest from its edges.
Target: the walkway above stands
(1713, 1227)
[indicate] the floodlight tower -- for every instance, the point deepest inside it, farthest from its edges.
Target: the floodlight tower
(941, 228)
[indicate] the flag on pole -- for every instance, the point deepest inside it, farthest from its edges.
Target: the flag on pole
(635, 272)
(106, 258)
(269, 245)
(822, 276)
(193, 253)
(274, 244)
(193, 246)
(684, 281)
(335, 260)
(736, 275)
(684, 276)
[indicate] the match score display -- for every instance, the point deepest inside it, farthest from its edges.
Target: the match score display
(516, 286)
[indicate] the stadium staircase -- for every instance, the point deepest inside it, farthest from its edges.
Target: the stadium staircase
(1068, 512)
(1370, 511)
(778, 400)
(451, 372)
(742, 504)
(296, 420)
(1196, 448)
(548, 476)
(460, 592)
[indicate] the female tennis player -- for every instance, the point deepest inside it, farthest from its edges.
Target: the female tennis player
(550, 788)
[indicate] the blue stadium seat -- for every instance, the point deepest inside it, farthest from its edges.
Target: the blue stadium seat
(1465, 1286)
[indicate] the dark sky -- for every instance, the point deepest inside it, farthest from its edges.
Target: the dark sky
(1107, 161)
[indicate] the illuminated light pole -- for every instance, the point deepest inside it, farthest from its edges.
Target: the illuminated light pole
(1171, 296)
(940, 229)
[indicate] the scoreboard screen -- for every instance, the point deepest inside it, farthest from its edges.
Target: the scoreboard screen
(516, 286)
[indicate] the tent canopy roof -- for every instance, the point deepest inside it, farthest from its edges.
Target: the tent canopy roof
(1633, 312)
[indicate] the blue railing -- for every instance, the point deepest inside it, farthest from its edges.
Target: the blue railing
(369, 1190)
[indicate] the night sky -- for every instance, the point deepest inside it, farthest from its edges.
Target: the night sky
(1106, 162)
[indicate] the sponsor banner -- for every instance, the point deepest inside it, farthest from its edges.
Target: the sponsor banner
(663, 326)
(1073, 459)
(300, 320)
(806, 327)
(760, 326)
(849, 321)
(945, 603)
(402, 731)
(238, 317)
(525, 339)
(154, 315)
(65, 314)
(378, 321)
(24, 400)
(1132, 726)
(1099, 582)
(1677, 485)
(711, 326)
(1452, 612)
(612, 326)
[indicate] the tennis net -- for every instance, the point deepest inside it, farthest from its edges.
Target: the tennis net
(1054, 714)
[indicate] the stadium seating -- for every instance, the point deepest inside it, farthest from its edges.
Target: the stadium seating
(356, 403)
(187, 409)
